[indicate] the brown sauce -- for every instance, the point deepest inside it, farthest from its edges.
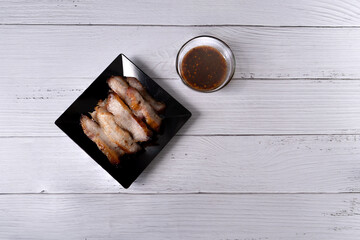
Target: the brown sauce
(204, 68)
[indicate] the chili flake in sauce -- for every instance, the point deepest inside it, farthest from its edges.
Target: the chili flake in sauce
(204, 68)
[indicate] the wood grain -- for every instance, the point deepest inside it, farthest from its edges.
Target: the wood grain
(85, 51)
(243, 107)
(186, 12)
(201, 216)
(190, 164)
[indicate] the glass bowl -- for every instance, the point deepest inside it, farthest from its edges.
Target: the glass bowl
(213, 42)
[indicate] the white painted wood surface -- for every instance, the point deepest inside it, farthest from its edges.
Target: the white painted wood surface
(274, 155)
(192, 164)
(85, 51)
(250, 106)
(174, 216)
(185, 12)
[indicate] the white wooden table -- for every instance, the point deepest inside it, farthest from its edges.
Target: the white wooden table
(274, 155)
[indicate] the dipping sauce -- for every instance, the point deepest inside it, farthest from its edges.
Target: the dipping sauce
(204, 68)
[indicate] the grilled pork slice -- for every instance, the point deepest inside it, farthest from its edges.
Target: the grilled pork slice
(118, 85)
(143, 109)
(95, 133)
(116, 134)
(101, 103)
(126, 119)
(157, 106)
(135, 101)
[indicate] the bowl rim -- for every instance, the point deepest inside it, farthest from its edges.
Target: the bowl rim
(225, 82)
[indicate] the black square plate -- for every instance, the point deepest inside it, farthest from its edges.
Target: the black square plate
(131, 166)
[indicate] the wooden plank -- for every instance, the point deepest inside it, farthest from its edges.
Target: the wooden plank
(81, 51)
(186, 12)
(30, 106)
(231, 164)
(199, 216)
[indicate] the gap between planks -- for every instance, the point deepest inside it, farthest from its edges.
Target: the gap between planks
(233, 79)
(170, 25)
(217, 135)
(184, 193)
